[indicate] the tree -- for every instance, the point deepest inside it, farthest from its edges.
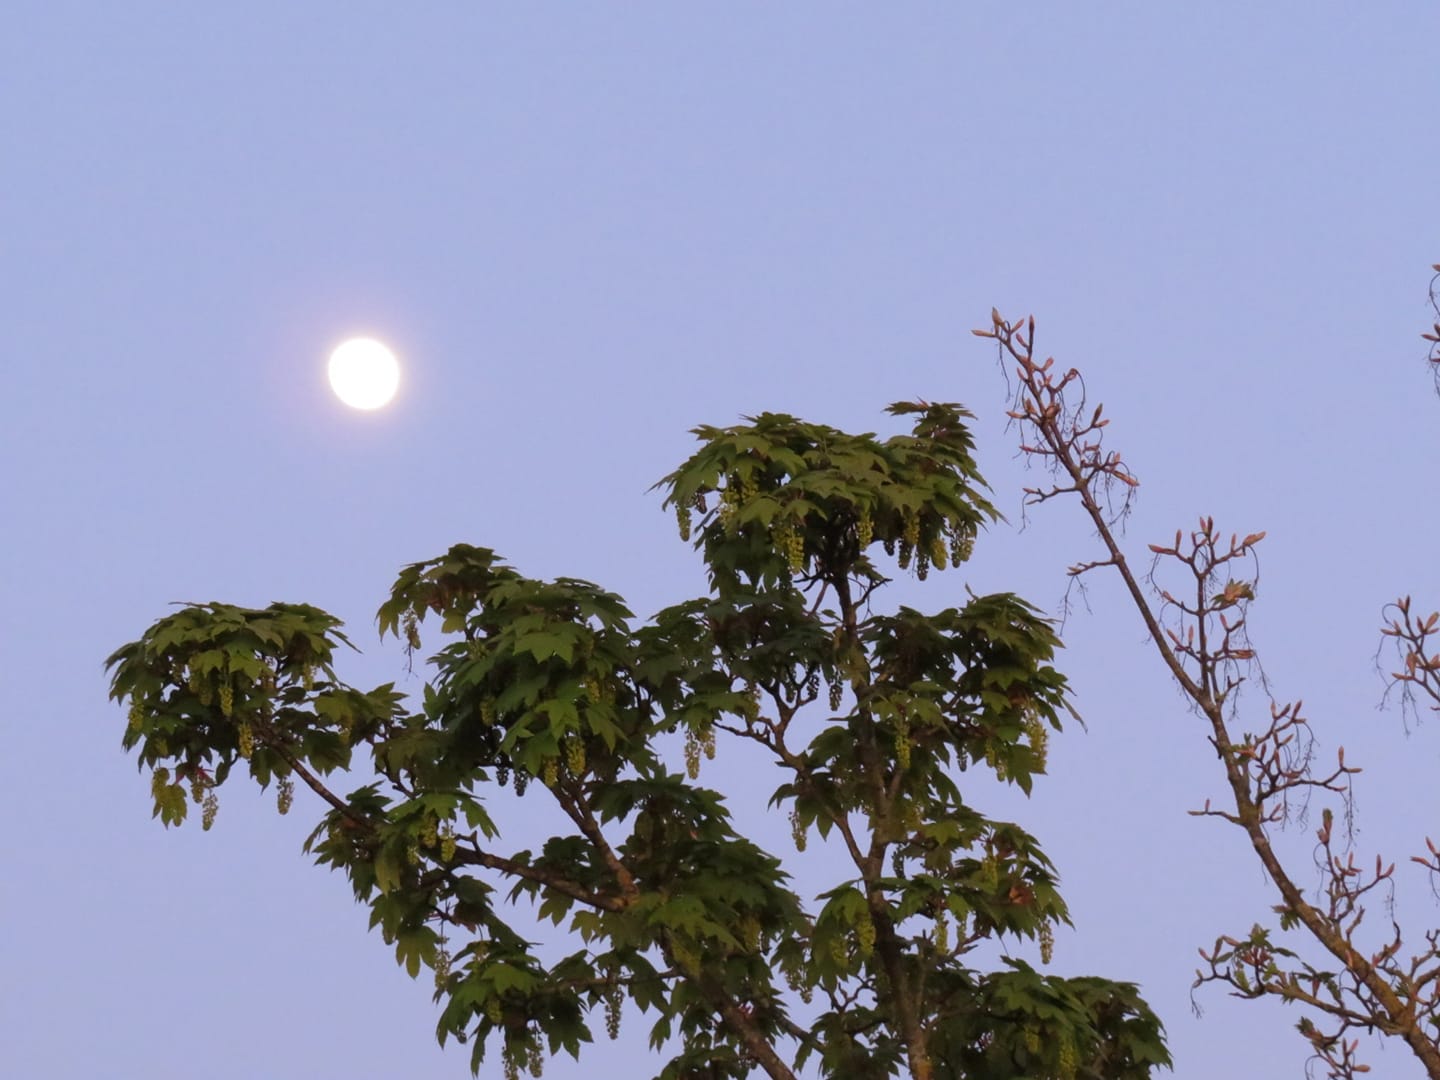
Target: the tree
(1201, 586)
(884, 726)
(1433, 334)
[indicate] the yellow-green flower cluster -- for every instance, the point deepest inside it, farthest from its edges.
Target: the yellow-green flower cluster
(1039, 736)
(864, 528)
(902, 743)
(790, 543)
(864, 934)
(574, 755)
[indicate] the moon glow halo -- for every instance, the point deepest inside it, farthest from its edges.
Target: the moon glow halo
(364, 373)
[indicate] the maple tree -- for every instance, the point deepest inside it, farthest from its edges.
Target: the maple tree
(886, 728)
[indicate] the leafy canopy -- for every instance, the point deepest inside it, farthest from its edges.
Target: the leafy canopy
(882, 727)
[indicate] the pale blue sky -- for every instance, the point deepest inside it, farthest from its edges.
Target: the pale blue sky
(587, 228)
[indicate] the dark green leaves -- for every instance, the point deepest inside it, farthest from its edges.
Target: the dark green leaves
(886, 729)
(778, 498)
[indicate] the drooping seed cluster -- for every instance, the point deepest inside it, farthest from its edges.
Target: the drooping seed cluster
(789, 540)
(750, 933)
(442, 966)
(574, 756)
(697, 743)
(1066, 1058)
(1039, 736)
(614, 999)
(902, 743)
(864, 934)
(864, 529)
(962, 544)
(284, 794)
(791, 970)
(990, 872)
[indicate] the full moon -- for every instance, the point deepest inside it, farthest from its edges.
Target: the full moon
(364, 373)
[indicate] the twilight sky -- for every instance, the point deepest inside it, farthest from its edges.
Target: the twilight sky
(586, 229)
